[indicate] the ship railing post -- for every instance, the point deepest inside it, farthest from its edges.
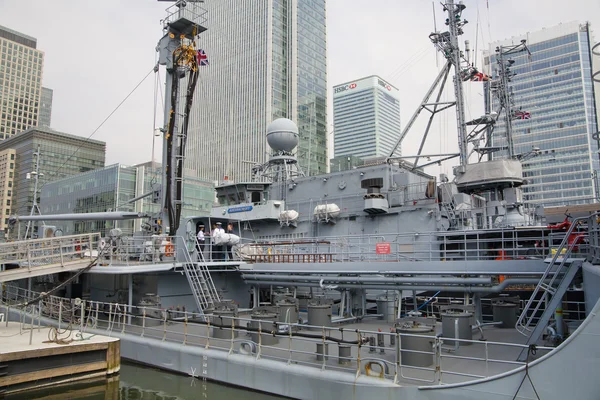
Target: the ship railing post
(359, 340)
(185, 328)
(232, 335)
(60, 251)
(290, 343)
(109, 327)
(28, 258)
(259, 340)
(396, 337)
(82, 315)
(124, 320)
(143, 321)
(324, 349)
(96, 320)
(487, 359)
(39, 315)
(207, 333)
(32, 325)
(164, 325)
(437, 348)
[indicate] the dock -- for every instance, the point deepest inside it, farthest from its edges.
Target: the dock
(36, 357)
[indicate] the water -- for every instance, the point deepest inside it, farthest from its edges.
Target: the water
(141, 383)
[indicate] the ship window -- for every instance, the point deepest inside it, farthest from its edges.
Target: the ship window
(255, 197)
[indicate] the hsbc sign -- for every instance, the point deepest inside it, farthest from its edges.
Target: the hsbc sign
(385, 85)
(343, 88)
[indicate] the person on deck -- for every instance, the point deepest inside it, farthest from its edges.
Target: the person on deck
(200, 239)
(229, 246)
(218, 250)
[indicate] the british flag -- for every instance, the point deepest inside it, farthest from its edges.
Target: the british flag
(518, 114)
(480, 77)
(202, 58)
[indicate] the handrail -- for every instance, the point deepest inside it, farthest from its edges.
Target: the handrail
(163, 325)
(551, 273)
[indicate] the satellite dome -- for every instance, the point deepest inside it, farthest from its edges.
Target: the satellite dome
(282, 135)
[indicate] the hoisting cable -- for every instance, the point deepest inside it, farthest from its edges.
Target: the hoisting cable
(530, 351)
(105, 119)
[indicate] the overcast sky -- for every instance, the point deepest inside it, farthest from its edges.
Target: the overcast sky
(97, 51)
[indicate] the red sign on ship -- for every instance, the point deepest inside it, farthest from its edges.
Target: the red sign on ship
(383, 248)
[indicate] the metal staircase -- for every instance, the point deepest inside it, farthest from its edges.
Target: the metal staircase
(549, 292)
(202, 285)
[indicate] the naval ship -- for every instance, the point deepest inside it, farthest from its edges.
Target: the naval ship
(377, 282)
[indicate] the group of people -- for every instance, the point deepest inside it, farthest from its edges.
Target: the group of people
(217, 251)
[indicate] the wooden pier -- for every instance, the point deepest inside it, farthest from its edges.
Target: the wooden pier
(42, 356)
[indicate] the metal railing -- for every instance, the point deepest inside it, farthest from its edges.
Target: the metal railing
(55, 250)
(497, 244)
(385, 356)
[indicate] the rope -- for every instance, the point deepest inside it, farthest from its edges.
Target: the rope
(54, 333)
(530, 351)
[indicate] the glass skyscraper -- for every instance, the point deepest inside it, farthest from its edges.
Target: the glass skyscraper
(61, 155)
(366, 118)
(109, 189)
(557, 113)
(45, 108)
(267, 60)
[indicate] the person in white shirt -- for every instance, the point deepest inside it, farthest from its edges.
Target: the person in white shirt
(217, 250)
(200, 241)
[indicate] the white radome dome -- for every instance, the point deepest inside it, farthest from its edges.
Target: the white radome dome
(282, 135)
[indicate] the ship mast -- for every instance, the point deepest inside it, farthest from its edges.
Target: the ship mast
(177, 52)
(453, 54)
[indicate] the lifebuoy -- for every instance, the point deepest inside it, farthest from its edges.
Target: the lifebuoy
(169, 250)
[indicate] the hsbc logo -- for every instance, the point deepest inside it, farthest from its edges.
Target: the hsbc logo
(385, 85)
(343, 88)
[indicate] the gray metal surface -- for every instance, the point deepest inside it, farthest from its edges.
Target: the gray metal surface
(456, 325)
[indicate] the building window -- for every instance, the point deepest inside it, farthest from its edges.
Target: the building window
(8, 202)
(12, 156)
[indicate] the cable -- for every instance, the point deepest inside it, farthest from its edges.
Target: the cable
(530, 351)
(42, 296)
(104, 121)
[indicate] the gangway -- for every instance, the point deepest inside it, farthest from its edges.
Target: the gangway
(201, 283)
(551, 288)
(36, 257)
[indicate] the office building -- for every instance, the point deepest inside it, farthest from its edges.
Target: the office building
(267, 60)
(555, 111)
(21, 66)
(110, 189)
(366, 118)
(7, 170)
(60, 155)
(45, 108)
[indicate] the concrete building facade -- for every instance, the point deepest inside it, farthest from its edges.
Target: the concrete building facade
(366, 118)
(21, 66)
(7, 171)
